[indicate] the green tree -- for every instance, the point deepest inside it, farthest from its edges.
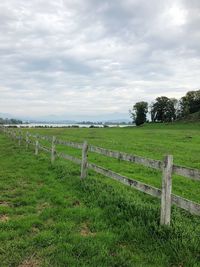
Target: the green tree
(139, 112)
(190, 103)
(10, 121)
(163, 109)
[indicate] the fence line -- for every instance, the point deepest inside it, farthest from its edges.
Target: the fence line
(167, 167)
(70, 144)
(187, 172)
(155, 164)
(151, 163)
(148, 189)
(69, 157)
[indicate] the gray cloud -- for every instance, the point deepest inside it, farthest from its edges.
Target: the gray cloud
(95, 57)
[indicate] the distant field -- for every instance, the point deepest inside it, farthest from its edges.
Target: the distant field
(152, 141)
(48, 217)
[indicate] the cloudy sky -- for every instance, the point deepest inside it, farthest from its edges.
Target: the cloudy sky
(95, 58)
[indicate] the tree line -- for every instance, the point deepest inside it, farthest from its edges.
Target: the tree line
(10, 121)
(164, 109)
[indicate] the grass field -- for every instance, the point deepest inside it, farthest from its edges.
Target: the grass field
(48, 217)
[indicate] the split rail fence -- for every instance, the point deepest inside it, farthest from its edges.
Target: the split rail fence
(166, 166)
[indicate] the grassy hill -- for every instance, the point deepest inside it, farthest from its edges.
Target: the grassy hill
(49, 217)
(193, 117)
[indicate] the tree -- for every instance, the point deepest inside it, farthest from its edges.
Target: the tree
(139, 112)
(163, 109)
(10, 121)
(190, 103)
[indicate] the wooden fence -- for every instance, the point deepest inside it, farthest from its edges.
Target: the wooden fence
(166, 166)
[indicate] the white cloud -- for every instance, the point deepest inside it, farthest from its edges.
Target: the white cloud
(95, 57)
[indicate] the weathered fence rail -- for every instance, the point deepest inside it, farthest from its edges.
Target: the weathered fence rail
(69, 157)
(148, 189)
(70, 144)
(151, 163)
(187, 172)
(166, 166)
(155, 164)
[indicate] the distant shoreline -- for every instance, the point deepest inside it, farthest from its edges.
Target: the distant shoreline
(67, 125)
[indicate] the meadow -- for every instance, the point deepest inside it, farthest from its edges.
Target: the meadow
(49, 217)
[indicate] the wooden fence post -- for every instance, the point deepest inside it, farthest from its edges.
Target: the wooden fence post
(14, 135)
(53, 149)
(36, 147)
(27, 140)
(166, 190)
(19, 139)
(5, 131)
(84, 160)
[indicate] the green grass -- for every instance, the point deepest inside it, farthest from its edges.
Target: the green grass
(152, 141)
(49, 217)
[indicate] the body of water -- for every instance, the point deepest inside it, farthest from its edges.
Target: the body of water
(57, 125)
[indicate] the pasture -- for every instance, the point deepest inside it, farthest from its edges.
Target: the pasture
(49, 217)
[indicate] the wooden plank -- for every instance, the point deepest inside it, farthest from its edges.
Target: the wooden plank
(19, 138)
(155, 164)
(69, 143)
(187, 172)
(84, 160)
(148, 189)
(14, 135)
(45, 137)
(165, 213)
(27, 140)
(36, 147)
(42, 137)
(46, 149)
(34, 135)
(69, 157)
(53, 150)
(188, 205)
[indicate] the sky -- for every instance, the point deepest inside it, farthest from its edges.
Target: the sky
(83, 59)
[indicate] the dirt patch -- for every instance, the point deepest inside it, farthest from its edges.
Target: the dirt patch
(4, 218)
(30, 263)
(35, 230)
(49, 222)
(42, 206)
(85, 230)
(76, 203)
(122, 245)
(4, 204)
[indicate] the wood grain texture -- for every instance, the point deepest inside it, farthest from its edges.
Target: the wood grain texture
(69, 157)
(84, 160)
(53, 149)
(187, 172)
(155, 164)
(70, 144)
(165, 211)
(148, 189)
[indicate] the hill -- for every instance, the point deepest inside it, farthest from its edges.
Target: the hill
(192, 117)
